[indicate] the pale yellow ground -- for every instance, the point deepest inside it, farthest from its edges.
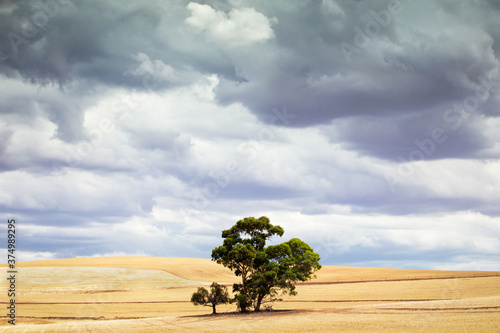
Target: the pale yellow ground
(151, 294)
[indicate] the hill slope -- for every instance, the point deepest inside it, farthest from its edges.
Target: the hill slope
(151, 294)
(205, 270)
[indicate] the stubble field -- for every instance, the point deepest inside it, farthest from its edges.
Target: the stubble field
(151, 294)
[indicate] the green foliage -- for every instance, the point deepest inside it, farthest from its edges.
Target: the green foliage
(200, 297)
(264, 272)
(218, 295)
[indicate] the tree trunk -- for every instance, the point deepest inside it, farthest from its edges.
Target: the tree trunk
(259, 301)
(243, 303)
(213, 309)
(244, 284)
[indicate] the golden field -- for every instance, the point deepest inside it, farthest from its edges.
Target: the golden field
(151, 294)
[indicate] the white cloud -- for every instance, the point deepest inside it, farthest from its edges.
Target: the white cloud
(156, 68)
(117, 254)
(240, 27)
(451, 180)
(37, 255)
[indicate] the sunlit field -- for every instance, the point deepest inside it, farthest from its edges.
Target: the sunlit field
(151, 294)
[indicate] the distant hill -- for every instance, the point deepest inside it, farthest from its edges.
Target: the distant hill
(205, 270)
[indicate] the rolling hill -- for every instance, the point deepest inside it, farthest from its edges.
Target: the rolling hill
(151, 294)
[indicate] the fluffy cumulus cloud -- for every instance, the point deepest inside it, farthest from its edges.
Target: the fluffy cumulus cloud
(239, 27)
(367, 128)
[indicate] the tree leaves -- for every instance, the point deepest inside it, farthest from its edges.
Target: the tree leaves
(218, 295)
(264, 271)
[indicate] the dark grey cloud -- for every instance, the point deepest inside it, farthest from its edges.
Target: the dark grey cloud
(401, 69)
(25, 106)
(98, 41)
(406, 78)
(433, 135)
(78, 39)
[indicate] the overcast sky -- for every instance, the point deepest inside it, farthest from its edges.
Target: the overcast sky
(369, 129)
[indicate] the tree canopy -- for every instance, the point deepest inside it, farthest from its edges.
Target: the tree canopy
(264, 271)
(218, 295)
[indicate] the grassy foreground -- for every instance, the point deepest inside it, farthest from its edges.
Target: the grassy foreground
(151, 294)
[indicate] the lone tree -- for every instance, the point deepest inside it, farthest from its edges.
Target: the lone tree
(218, 295)
(264, 271)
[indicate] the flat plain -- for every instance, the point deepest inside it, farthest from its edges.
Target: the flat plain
(151, 294)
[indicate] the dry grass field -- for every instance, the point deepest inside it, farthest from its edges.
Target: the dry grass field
(151, 294)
